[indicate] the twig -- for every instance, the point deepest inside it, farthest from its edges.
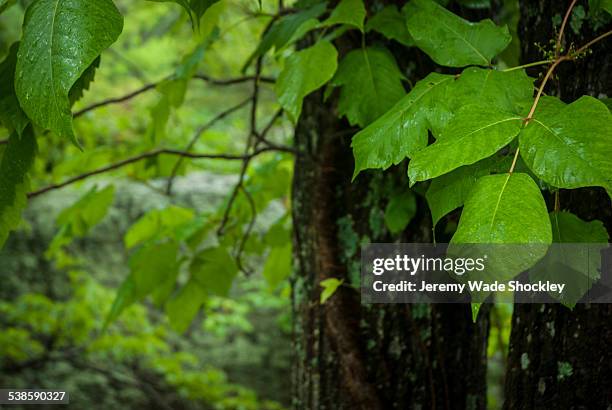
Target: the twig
(562, 29)
(150, 86)
(231, 81)
(590, 43)
(144, 156)
(2, 142)
(248, 231)
(197, 135)
(252, 132)
(115, 100)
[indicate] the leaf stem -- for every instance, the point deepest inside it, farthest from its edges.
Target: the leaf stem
(535, 63)
(155, 153)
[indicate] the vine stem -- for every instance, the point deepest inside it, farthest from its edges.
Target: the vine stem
(562, 29)
(535, 63)
(595, 40)
(558, 60)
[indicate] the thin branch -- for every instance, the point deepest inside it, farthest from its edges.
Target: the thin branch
(197, 135)
(150, 86)
(590, 43)
(115, 100)
(2, 142)
(562, 29)
(231, 81)
(144, 156)
(248, 231)
(252, 132)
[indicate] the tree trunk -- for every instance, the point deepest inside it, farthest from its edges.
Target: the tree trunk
(353, 356)
(560, 358)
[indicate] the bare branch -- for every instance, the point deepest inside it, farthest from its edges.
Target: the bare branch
(144, 156)
(2, 142)
(150, 86)
(197, 135)
(248, 231)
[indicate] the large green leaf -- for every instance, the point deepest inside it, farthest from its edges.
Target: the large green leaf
(449, 192)
(214, 269)
(510, 91)
(370, 82)
(401, 131)
(351, 12)
(11, 114)
(570, 146)
(504, 209)
(392, 24)
(14, 182)
(304, 72)
(476, 131)
(452, 41)
(287, 29)
(61, 39)
(182, 308)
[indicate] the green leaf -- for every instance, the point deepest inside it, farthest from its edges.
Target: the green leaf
(575, 265)
(173, 90)
(329, 288)
(278, 265)
(392, 24)
(126, 295)
(402, 130)
(88, 211)
(157, 223)
(400, 210)
(370, 82)
(351, 12)
(448, 192)
(477, 131)
(304, 72)
(214, 269)
(506, 209)
(510, 91)
(14, 182)
(184, 306)
(78, 219)
(11, 114)
(452, 41)
(61, 39)
(287, 29)
(475, 308)
(570, 146)
(151, 265)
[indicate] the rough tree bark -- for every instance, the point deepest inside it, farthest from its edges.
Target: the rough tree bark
(560, 358)
(352, 356)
